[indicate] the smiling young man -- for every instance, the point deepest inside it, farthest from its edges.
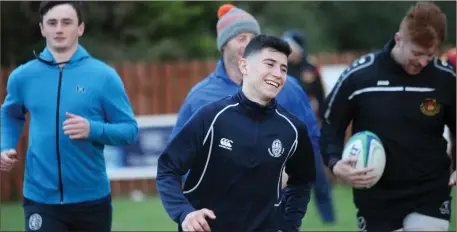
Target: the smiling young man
(77, 104)
(235, 28)
(236, 149)
(406, 96)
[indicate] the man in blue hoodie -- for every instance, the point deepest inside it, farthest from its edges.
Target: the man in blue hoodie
(77, 104)
(235, 29)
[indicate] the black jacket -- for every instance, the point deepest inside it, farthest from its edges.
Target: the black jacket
(407, 112)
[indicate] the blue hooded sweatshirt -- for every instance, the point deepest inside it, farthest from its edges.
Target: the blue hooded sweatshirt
(218, 85)
(59, 170)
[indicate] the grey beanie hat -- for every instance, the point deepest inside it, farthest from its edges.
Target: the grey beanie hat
(233, 21)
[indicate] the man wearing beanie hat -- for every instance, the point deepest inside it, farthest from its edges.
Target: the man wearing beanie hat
(235, 29)
(232, 22)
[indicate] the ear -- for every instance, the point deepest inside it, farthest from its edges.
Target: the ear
(41, 29)
(397, 38)
(81, 28)
(243, 65)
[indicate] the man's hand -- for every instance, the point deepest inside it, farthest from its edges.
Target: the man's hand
(196, 221)
(285, 177)
(355, 177)
(452, 179)
(7, 160)
(76, 126)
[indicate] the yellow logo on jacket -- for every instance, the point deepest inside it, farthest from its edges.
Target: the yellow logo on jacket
(430, 107)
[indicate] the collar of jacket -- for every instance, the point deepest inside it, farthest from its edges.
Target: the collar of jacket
(254, 109)
(222, 74)
(79, 55)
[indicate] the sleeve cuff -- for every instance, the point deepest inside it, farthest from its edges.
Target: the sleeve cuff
(7, 145)
(6, 149)
(332, 163)
(95, 130)
(185, 212)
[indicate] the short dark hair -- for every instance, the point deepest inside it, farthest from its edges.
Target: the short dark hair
(266, 41)
(45, 6)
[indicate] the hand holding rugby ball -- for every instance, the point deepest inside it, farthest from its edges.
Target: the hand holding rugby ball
(365, 153)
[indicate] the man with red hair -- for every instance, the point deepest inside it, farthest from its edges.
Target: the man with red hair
(406, 96)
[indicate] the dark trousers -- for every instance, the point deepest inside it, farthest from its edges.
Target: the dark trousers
(88, 216)
(389, 216)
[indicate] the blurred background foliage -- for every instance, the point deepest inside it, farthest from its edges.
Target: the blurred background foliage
(120, 31)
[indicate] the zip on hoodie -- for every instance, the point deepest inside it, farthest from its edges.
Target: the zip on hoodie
(59, 166)
(59, 163)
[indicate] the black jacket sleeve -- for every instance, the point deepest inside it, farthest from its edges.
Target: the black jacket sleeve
(302, 174)
(450, 116)
(337, 113)
(175, 161)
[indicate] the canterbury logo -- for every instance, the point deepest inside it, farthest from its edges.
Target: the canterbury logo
(226, 143)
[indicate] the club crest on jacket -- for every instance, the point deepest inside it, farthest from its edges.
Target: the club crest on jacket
(276, 148)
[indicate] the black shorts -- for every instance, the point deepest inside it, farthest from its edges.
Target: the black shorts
(88, 216)
(389, 216)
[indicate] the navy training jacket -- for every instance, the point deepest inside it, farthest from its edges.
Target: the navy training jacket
(236, 150)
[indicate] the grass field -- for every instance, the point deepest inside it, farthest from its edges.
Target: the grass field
(149, 215)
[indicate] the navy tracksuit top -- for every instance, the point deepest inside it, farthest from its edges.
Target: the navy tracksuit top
(236, 150)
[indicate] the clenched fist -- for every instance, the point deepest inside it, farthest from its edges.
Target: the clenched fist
(7, 160)
(196, 221)
(76, 127)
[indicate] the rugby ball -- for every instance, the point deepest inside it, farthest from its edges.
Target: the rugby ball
(370, 153)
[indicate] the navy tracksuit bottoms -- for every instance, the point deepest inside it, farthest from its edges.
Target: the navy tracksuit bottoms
(88, 216)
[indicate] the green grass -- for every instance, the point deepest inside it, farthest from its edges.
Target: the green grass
(149, 215)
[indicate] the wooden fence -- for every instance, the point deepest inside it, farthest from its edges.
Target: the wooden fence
(153, 88)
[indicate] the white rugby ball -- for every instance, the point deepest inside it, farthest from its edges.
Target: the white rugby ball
(370, 153)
